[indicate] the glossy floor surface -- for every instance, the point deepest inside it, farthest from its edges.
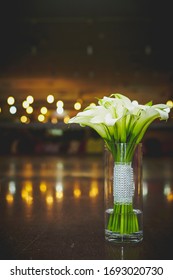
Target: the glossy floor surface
(53, 208)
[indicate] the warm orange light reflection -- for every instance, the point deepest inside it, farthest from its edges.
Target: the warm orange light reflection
(27, 197)
(49, 199)
(43, 187)
(77, 193)
(59, 195)
(170, 197)
(54, 120)
(9, 198)
(29, 200)
(26, 193)
(28, 186)
(94, 190)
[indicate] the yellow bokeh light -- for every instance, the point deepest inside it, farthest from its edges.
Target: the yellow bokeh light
(43, 187)
(41, 118)
(30, 99)
(10, 100)
(169, 103)
(23, 119)
(77, 106)
(59, 195)
(92, 104)
(29, 199)
(60, 103)
(66, 119)
(9, 198)
(94, 190)
(28, 186)
(29, 110)
(170, 197)
(24, 193)
(25, 104)
(50, 98)
(77, 192)
(54, 120)
(43, 110)
(49, 199)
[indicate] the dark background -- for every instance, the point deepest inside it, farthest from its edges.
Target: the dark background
(83, 50)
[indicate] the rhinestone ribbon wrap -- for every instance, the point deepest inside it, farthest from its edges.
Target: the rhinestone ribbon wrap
(123, 187)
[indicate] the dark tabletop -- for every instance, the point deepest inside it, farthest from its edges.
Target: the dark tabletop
(53, 208)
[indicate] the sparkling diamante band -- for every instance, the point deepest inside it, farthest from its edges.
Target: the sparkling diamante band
(123, 187)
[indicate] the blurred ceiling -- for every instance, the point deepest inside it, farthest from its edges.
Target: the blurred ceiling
(85, 49)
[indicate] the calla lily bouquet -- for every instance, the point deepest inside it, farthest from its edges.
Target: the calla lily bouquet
(117, 119)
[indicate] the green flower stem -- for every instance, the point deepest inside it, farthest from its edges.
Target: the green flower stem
(123, 220)
(119, 153)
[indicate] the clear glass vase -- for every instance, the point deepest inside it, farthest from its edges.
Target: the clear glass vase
(123, 193)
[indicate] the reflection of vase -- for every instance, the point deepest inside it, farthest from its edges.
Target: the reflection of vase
(123, 193)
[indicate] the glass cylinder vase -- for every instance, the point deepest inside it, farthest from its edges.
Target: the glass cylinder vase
(123, 193)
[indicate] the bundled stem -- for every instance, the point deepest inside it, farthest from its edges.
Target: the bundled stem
(123, 219)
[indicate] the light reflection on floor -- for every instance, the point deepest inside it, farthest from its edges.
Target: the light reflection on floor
(41, 196)
(52, 172)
